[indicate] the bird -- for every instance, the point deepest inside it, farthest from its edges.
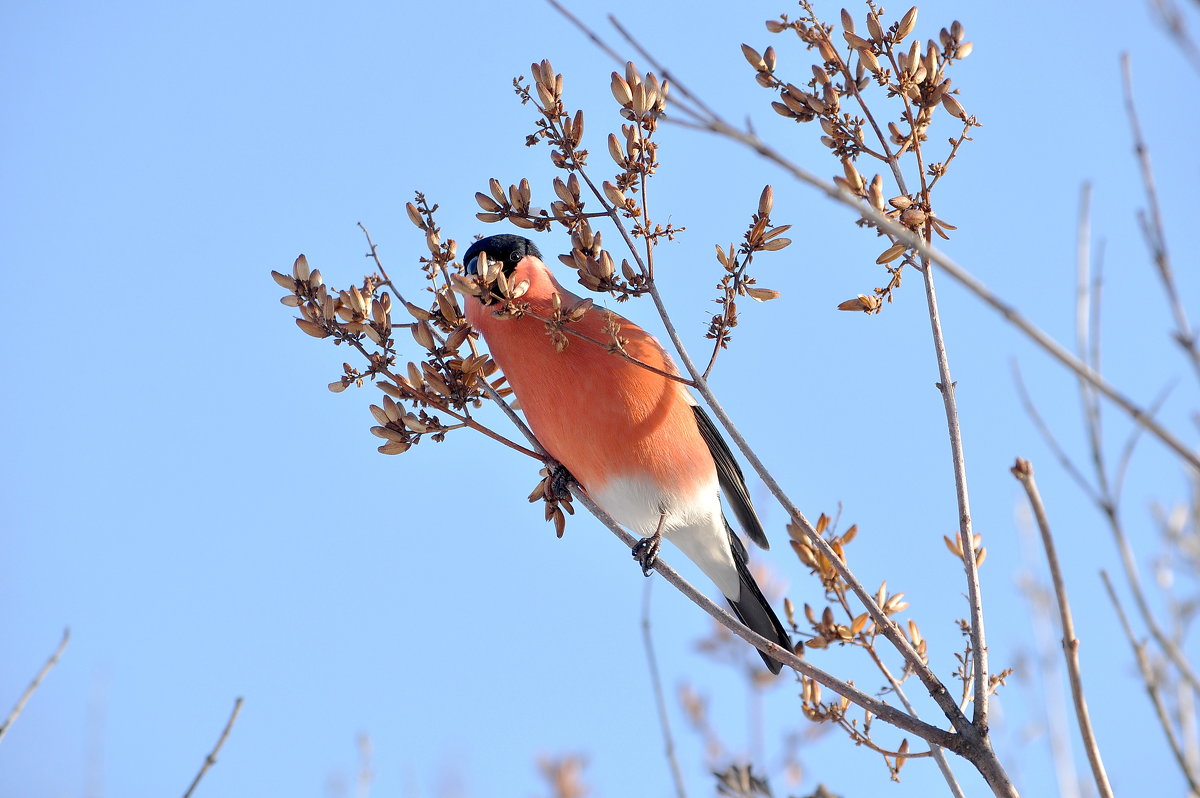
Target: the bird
(637, 441)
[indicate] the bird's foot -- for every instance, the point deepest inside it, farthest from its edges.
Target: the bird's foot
(646, 551)
(561, 481)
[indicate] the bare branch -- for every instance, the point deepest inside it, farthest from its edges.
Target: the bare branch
(1023, 471)
(1152, 227)
(211, 759)
(33, 686)
(1150, 682)
(659, 699)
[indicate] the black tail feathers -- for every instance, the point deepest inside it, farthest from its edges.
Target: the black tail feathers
(751, 606)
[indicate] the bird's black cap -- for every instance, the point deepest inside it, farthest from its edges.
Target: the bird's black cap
(507, 249)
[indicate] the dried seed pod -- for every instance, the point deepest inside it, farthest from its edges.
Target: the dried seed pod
(873, 26)
(892, 252)
(486, 202)
(284, 280)
(762, 294)
(415, 377)
(315, 330)
(621, 91)
(615, 151)
(379, 414)
(414, 215)
(907, 23)
(614, 194)
(753, 58)
(423, 335)
(856, 42)
(766, 201)
(913, 217)
(300, 268)
(876, 193)
(953, 106)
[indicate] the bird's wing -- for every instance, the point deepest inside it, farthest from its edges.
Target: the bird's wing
(733, 484)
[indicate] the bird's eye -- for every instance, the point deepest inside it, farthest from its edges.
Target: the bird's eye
(514, 257)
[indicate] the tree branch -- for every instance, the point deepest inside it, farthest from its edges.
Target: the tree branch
(33, 685)
(1023, 471)
(211, 759)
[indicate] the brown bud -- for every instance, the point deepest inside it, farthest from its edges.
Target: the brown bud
(414, 215)
(766, 201)
(953, 106)
(753, 58)
(907, 23)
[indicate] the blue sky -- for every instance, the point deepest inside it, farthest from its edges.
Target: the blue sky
(184, 493)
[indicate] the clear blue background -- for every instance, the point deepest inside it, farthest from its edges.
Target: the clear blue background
(182, 491)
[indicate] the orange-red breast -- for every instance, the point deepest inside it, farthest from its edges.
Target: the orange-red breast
(637, 442)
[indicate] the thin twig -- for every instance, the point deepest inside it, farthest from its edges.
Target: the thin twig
(1048, 437)
(211, 759)
(1023, 471)
(936, 752)
(33, 686)
(967, 538)
(1150, 681)
(1152, 228)
(660, 701)
(1173, 20)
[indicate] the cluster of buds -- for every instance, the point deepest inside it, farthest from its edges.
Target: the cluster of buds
(643, 100)
(401, 430)
(596, 268)
(954, 546)
(556, 499)
(814, 559)
(514, 205)
(568, 208)
(760, 236)
(492, 284)
(556, 125)
(817, 710)
(826, 630)
(560, 317)
(349, 314)
(908, 70)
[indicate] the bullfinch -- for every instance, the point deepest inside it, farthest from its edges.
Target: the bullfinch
(636, 441)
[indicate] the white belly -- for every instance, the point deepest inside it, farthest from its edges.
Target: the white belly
(693, 523)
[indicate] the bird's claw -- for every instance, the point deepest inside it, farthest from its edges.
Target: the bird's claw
(561, 481)
(646, 552)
